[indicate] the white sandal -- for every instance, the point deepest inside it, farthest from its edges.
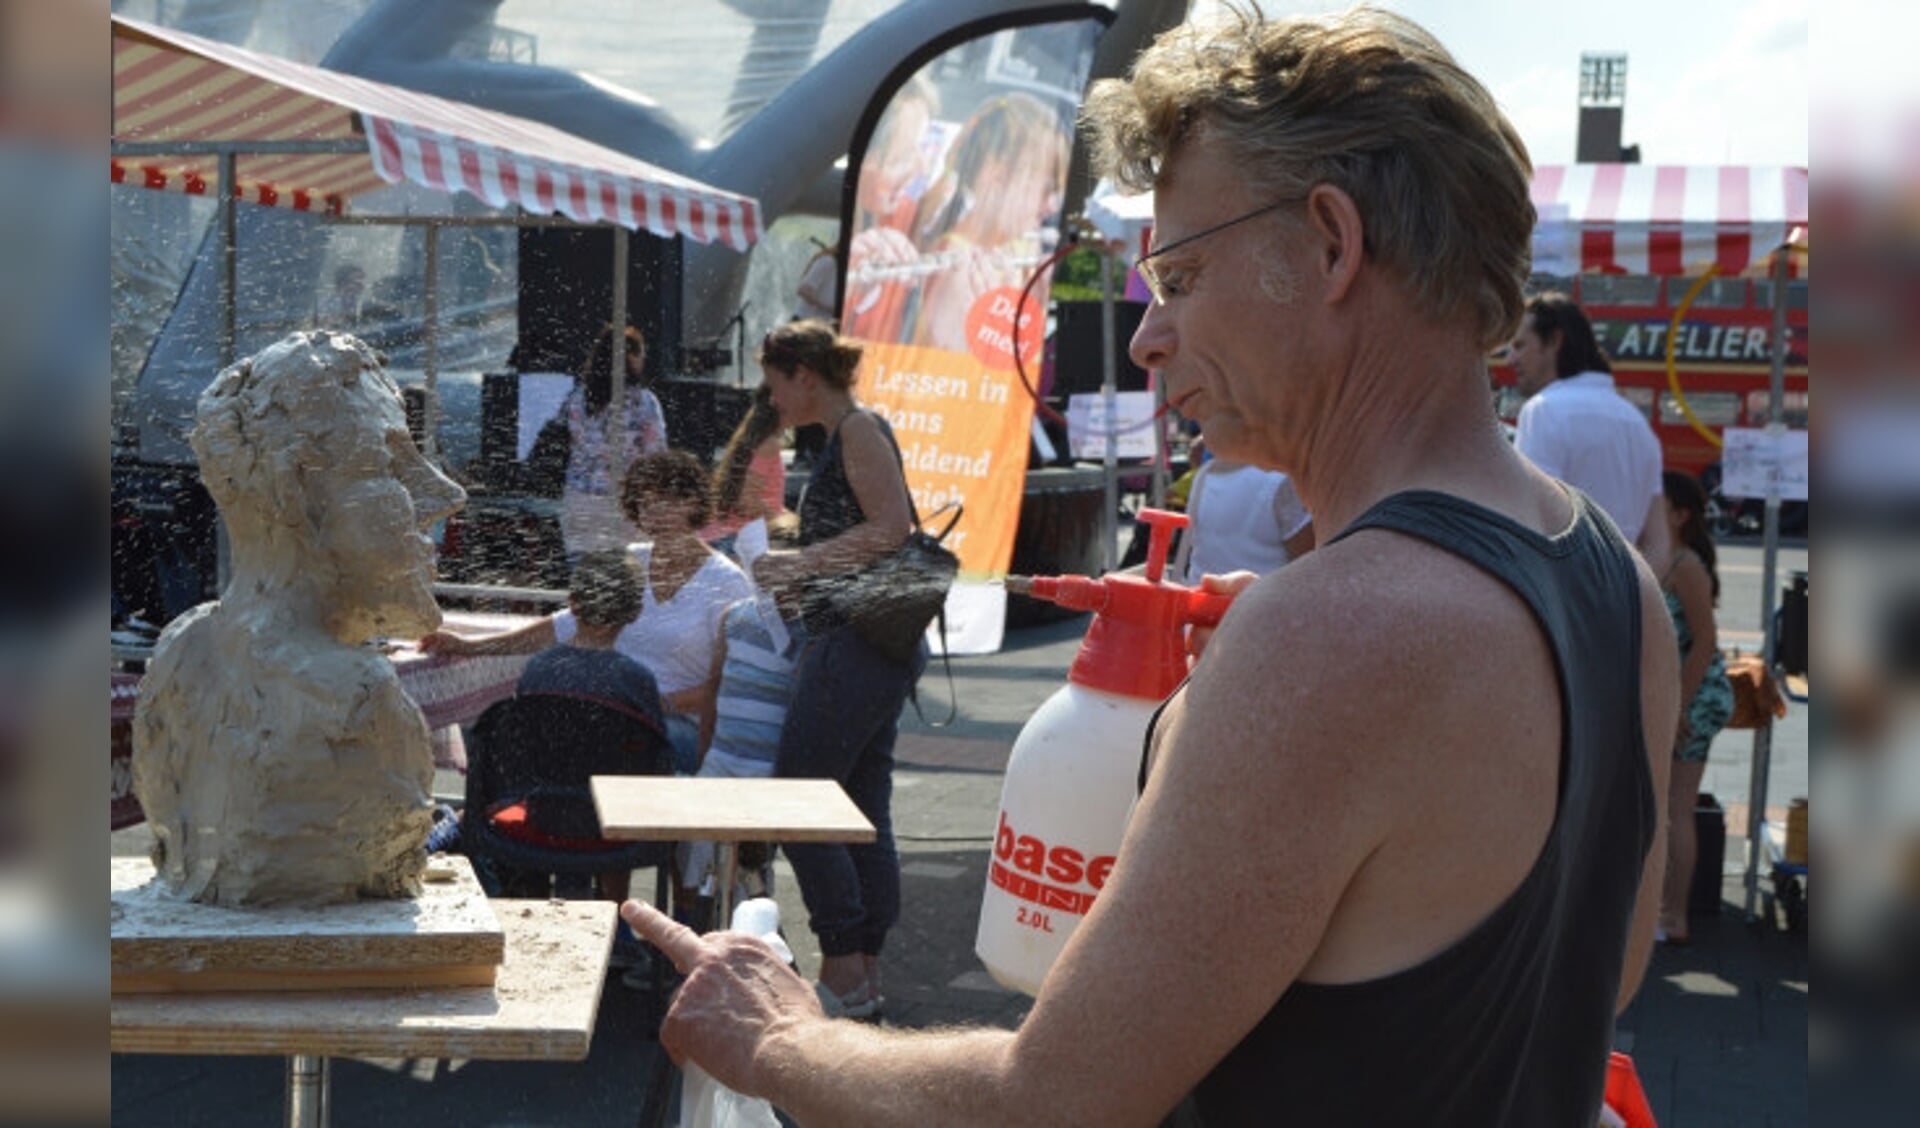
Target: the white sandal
(860, 1002)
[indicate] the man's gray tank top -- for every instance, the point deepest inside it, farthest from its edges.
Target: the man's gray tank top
(1511, 1025)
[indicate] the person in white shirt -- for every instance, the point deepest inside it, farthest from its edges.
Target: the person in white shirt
(1579, 429)
(1241, 518)
(687, 588)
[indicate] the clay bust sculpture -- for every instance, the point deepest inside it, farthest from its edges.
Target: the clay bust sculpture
(274, 753)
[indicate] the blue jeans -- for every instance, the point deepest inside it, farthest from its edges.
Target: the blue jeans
(683, 733)
(841, 723)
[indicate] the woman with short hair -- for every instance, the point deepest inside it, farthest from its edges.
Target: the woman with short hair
(686, 589)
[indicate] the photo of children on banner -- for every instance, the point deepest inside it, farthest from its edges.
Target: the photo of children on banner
(894, 173)
(981, 223)
(985, 224)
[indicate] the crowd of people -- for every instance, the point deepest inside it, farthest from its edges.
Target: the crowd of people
(752, 672)
(1416, 959)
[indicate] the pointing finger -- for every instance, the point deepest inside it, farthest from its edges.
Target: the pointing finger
(679, 943)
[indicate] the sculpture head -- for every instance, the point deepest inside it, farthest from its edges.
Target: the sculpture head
(305, 449)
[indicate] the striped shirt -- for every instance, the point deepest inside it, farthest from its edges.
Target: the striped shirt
(750, 706)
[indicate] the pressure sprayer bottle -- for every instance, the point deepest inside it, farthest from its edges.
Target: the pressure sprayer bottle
(1073, 774)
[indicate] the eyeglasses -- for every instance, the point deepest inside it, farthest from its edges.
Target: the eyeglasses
(1157, 284)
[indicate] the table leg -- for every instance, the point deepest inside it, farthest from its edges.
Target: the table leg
(723, 858)
(309, 1077)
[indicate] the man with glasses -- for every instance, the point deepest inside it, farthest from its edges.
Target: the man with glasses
(1396, 858)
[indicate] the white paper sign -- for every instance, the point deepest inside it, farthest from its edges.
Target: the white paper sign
(1755, 463)
(541, 394)
(1133, 424)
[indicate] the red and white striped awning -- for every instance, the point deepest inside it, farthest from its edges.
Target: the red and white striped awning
(1663, 219)
(169, 86)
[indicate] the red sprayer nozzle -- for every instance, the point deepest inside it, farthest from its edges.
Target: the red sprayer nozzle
(1077, 593)
(1137, 643)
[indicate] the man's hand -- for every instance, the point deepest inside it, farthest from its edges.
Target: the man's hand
(737, 995)
(1233, 583)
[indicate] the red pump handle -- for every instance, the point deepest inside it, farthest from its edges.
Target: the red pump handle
(1161, 525)
(1136, 644)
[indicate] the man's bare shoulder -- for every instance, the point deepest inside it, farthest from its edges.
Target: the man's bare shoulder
(1368, 637)
(1369, 595)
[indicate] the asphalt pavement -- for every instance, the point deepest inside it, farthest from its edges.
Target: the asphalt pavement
(1718, 1032)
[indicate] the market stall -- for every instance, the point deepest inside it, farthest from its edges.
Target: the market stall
(200, 117)
(1691, 222)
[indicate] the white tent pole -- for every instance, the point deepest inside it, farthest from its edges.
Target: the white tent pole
(229, 258)
(229, 326)
(1770, 556)
(1110, 520)
(431, 413)
(618, 354)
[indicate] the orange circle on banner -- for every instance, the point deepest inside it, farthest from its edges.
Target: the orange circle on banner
(990, 329)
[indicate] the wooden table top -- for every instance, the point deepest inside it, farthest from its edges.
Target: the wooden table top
(541, 1008)
(673, 808)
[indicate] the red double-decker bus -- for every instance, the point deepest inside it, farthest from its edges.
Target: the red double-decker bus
(1723, 353)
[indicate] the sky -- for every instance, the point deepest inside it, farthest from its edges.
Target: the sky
(1709, 82)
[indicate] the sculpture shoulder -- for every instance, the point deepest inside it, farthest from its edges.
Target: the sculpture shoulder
(186, 645)
(357, 685)
(204, 656)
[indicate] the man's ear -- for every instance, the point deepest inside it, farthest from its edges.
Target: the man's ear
(1340, 239)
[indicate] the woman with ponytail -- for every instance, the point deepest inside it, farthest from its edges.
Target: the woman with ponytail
(750, 481)
(1692, 588)
(844, 712)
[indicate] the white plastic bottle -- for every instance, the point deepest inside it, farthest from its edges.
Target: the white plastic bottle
(1072, 778)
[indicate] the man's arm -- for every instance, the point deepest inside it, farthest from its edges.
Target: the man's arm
(1655, 542)
(1659, 714)
(1134, 1013)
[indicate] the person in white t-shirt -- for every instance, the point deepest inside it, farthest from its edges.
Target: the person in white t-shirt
(687, 588)
(1579, 429)
(1241, 519)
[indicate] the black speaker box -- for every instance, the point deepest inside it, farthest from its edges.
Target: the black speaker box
(1710, 831)
(566, 296)
(1076, 363)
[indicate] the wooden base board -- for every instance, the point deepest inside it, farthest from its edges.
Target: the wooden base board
(447, 937)
(541, 1008)
(397, 979)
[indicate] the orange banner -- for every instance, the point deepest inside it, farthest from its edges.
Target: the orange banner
(963, 429)
(957, 187)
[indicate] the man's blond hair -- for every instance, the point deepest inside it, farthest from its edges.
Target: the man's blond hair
(1366, 101)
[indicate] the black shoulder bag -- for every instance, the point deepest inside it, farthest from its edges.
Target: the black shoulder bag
(893, 600)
